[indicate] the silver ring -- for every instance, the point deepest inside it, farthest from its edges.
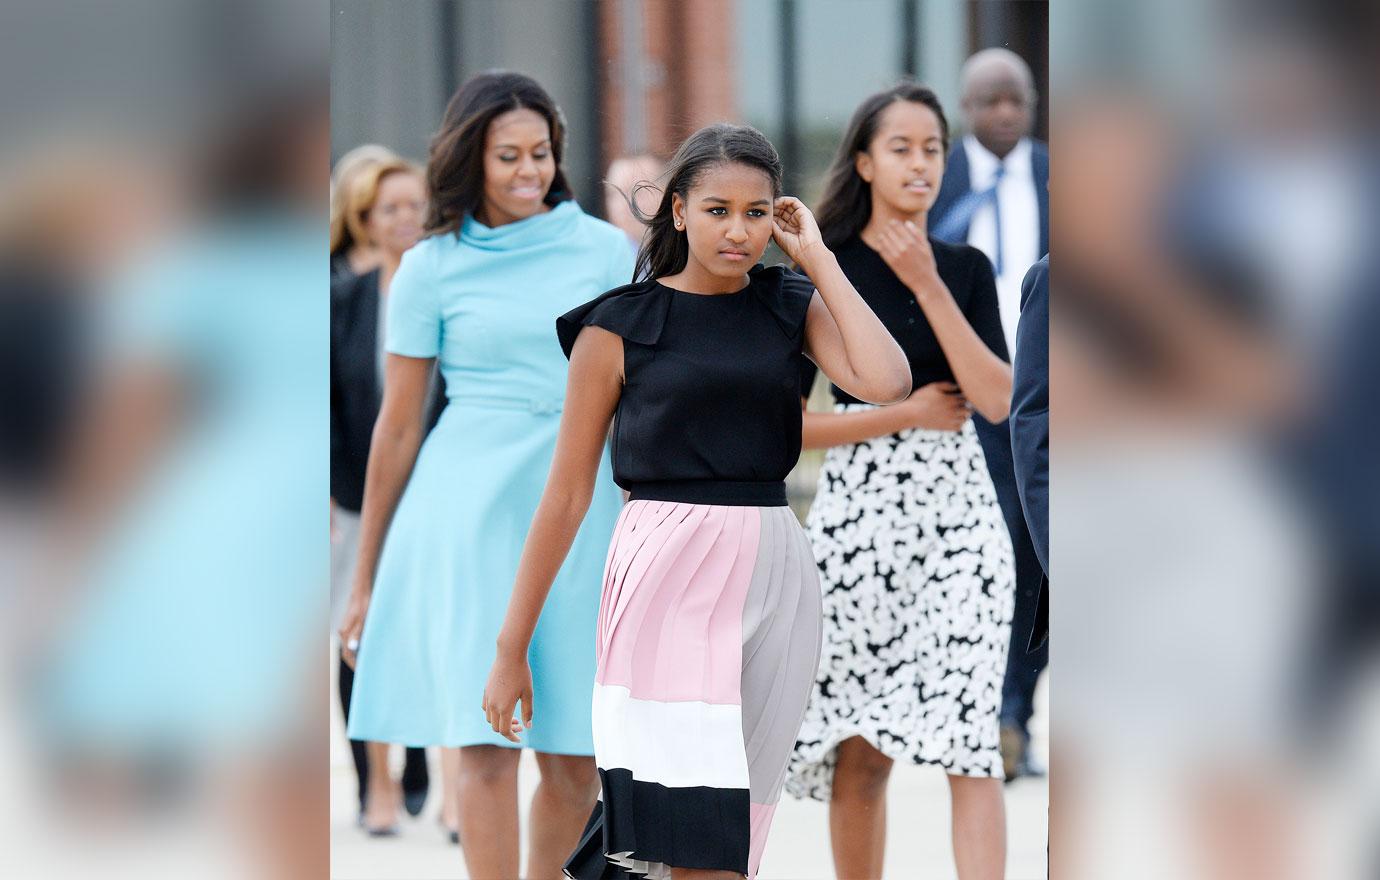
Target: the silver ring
(352, 645)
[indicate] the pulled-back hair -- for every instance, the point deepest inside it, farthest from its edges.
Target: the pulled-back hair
(847, 201)
(347, 169)
(359, 191)
(455, 171)
(665, 249)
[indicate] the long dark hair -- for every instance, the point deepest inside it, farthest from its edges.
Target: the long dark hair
(847, 201)
(455, 170)
(665, 249)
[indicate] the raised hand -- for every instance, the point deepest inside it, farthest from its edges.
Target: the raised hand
(794, 228)
(906, 249)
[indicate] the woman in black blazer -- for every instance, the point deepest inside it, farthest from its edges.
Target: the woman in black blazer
(382, 206)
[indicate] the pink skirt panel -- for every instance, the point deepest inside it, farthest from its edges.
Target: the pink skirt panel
(682, 640)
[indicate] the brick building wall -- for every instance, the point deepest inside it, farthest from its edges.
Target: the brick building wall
(679, 65)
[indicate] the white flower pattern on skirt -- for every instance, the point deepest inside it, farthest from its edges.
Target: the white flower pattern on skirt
(918, 577)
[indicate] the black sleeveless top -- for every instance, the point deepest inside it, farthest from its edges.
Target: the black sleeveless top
(710, 410)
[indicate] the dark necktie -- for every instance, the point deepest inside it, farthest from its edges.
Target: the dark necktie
(955, 223)
(996, 211)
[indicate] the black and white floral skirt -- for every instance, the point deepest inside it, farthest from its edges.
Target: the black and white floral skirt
(918, 578)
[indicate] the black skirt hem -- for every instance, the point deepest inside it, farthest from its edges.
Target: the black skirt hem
(699, 827)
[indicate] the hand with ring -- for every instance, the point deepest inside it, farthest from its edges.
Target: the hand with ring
(352, 626)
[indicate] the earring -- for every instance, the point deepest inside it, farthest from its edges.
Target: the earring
(677, 224)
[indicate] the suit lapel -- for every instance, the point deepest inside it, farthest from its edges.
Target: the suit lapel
(1039, 162)
(952, 188)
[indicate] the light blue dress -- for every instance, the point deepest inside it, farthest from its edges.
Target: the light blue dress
(486, 302)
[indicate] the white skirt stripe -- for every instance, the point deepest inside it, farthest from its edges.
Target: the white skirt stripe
(696, 744)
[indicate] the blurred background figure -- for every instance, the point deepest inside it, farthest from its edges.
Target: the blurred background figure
(349, 256)
(632, 179)
(996, 184)
(996, 197)
(382, 203)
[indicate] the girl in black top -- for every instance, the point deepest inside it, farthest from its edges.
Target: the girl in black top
(709, 622)
(913, 552)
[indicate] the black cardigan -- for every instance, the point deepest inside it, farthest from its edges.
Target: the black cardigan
(355, 391)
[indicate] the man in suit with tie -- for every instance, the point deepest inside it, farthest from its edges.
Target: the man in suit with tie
(995, 193)
(995, 197)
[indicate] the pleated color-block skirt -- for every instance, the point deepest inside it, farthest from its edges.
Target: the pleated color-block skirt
(708, 641)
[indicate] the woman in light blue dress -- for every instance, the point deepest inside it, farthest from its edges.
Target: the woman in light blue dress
(443, 522)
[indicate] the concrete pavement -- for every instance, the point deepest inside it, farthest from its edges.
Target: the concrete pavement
(918, 845)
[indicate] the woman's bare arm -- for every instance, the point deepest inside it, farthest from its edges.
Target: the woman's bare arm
(847, 339)
(842, 334)
(397, 437)
(938, 406)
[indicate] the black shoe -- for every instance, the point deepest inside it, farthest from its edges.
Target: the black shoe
(414, 801)
(1030, 767)
(449, 832)
(415, 781)
(1014, 745)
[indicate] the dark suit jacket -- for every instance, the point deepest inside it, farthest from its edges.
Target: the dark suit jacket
(996, 439)
(355, 391)
(956, 185)
(1030, 419)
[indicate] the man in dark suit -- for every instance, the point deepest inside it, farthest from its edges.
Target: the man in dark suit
(995, 192)
(995, 197)
(1030, 428)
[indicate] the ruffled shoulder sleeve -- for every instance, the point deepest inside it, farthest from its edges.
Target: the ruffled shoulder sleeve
(787, 296)
(636, 312)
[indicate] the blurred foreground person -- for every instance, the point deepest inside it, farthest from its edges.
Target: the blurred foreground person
(1174, 385)
(181, 588)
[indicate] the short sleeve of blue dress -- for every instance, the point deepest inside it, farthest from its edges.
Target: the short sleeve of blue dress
(414, 307)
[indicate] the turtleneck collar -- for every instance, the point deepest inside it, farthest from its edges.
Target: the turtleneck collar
(537, 229)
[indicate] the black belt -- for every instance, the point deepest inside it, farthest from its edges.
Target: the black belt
(770, 493)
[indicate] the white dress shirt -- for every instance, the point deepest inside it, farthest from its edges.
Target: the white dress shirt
(1020, 223)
